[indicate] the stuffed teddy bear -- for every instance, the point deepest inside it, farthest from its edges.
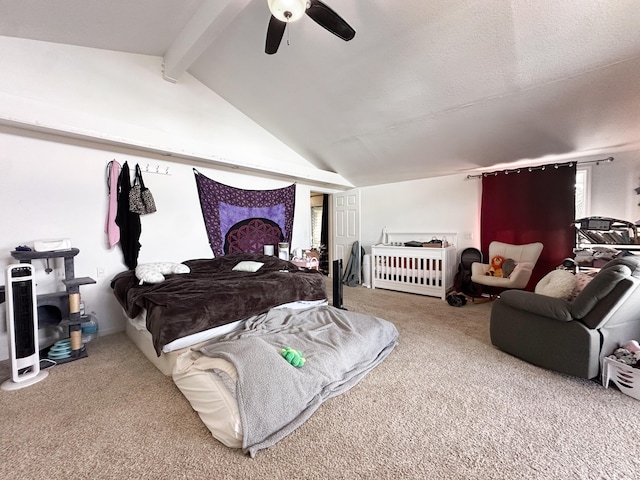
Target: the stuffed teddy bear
(294, 357)
(495, 270)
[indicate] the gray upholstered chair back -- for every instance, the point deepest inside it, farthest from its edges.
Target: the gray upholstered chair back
(611, 296)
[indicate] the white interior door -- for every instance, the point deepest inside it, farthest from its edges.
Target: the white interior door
(346, 225)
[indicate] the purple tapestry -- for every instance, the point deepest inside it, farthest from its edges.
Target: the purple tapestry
(240, 220)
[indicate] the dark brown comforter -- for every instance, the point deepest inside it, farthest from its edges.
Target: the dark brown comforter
(213, 294)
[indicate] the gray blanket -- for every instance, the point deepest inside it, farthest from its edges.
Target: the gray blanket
(275, 398)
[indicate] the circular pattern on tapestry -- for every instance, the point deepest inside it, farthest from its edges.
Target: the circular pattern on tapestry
(251, 235)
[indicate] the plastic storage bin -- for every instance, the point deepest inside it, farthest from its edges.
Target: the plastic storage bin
(626, 378)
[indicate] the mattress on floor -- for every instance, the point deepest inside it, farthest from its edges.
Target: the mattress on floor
(198, 378)
(136, 330)
(232, 381)
(142, 339)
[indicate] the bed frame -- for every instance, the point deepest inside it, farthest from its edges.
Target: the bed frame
(426, 270)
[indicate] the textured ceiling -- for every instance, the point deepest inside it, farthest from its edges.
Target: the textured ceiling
(424, 88)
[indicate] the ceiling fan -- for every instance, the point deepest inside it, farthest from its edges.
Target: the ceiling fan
(286, 11)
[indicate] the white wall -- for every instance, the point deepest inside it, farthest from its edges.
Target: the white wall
(613, 188)
(66, 111)
(444, 204)
(452, 203)
(122, 99)
(54, 189)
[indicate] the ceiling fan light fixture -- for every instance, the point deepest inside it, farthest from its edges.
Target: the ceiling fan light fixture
(287, 10)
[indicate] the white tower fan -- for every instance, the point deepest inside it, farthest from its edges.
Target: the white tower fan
(22, 328)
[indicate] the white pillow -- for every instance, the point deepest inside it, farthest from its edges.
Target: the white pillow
(558, 283)
(155, 272)
(248, 266)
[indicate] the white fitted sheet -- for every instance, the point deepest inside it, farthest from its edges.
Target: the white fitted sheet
(196, 375)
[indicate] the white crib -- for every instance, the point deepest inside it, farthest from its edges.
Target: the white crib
(421, 270)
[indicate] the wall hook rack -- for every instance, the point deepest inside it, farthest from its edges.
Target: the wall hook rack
(158, 169)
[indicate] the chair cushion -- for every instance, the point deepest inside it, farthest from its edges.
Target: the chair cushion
(529, 252)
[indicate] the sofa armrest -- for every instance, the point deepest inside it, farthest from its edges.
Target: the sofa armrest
(549, 307)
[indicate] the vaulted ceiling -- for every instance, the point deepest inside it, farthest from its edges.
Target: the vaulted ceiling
(424, 89)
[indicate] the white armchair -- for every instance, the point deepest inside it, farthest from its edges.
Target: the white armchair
(524, 256)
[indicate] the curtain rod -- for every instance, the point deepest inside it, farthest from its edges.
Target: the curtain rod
(540, 167)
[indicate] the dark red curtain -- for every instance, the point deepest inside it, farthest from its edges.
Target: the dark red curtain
(531, 206)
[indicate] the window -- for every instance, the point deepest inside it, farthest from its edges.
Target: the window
(316, 227)
(583, 189)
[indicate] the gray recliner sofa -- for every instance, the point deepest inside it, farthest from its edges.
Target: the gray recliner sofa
(572, 337)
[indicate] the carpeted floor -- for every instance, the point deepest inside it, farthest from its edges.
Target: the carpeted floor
(445, 404)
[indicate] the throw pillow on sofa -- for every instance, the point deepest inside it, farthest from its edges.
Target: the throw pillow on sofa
(558, 284)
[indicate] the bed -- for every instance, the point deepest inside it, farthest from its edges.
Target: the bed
(213, 294)
(220, 334)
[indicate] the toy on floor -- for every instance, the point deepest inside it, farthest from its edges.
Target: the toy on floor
(629, 354)
(456, 299)
(496, 266)
(634, 347)
(294, 357)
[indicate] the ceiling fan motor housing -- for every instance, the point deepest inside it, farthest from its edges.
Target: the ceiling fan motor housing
(288, 10)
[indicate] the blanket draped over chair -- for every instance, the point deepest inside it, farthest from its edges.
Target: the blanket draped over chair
(240, 220)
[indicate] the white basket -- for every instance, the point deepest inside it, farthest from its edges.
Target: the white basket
(626, 378)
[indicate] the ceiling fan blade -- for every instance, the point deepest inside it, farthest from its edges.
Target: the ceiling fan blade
(275, 31)
(327, 18)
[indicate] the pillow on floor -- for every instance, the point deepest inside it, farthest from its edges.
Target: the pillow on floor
(558, 284)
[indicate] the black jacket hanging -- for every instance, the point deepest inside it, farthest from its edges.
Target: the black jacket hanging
(129, 222)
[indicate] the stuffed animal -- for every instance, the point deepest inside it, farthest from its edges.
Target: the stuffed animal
(633, 347)
(294, 357)
(508, 266)
(495, 270)
(625, 356)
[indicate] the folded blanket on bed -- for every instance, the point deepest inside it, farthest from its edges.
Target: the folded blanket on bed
(274, 398)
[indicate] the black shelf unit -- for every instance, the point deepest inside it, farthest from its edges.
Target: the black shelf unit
(59, 301)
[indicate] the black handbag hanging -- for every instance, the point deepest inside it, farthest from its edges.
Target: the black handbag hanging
(140, 198)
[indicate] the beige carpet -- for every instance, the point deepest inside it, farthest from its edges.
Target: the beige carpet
(445, 404)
